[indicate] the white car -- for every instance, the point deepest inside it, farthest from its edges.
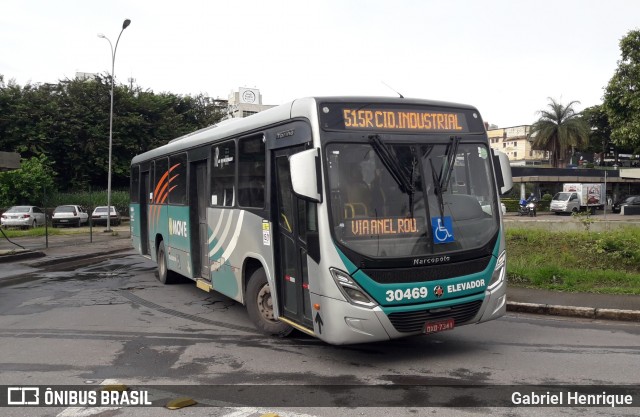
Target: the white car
(100, 214)
(69, 215)
(23, 216)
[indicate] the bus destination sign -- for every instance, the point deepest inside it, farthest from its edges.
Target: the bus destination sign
(389, 226)
(404, 120)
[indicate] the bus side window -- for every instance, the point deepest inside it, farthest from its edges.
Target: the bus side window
(285, 194)
(135, 184)
(178, 179)
(223, 177)
(251, 172)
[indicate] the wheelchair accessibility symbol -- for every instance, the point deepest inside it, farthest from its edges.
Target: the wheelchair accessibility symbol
(442, 229)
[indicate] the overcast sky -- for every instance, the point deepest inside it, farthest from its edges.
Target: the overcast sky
(503, 56)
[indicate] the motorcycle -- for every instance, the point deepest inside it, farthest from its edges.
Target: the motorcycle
(527, 208)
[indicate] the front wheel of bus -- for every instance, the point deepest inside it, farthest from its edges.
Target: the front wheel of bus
(164, 275)
(260, 306)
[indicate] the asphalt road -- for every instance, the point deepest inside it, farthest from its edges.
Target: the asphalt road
(113, 321)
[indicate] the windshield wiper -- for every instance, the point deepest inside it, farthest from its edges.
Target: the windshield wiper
(392, 165)
(441, 182)
(447, 168)
(437, 188)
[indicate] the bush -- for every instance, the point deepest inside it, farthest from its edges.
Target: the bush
(513, 204)
(89, 200)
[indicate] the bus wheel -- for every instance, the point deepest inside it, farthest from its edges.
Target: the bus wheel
(164, 275)
(260, 306)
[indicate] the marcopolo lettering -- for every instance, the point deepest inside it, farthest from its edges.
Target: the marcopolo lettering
(429, 261)
(479, 283)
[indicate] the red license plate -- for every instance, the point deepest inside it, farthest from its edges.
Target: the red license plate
(439, 326)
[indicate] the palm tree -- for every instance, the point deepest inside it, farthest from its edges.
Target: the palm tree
(558, 130)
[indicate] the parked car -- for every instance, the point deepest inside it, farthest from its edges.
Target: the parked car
(631, 200)
(69, 215)
(23, 216)
(100, 214)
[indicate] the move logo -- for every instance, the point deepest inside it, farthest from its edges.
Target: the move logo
(177, 227)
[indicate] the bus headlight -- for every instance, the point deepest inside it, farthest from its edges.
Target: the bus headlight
(499, 272)
(351, 290)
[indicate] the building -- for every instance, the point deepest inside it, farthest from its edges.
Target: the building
(515, 142)
(86, 76)
(9, 161)
(245, 102)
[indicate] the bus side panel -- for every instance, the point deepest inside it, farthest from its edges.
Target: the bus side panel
(134, 224)
(179, 244)
(158, 227)
(235, 235)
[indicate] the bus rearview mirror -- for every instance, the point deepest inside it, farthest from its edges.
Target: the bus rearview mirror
(305, 177)
(505, 181)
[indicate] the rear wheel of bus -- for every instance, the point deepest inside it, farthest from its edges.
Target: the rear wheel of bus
(260, 306)
(164, 274)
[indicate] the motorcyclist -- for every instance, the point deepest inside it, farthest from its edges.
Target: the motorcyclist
(531, 204)
(522, 210)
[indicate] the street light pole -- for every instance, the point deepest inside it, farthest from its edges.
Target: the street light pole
(126, 23)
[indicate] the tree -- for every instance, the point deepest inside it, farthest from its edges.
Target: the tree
(29, 184)
(68, 122)
(600, 135)
(622, 94)
(559, 130)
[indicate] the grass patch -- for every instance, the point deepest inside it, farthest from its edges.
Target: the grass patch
(40, 231)
(607, 262)
(31, 232)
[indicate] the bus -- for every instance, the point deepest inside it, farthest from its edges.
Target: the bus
(351, 219)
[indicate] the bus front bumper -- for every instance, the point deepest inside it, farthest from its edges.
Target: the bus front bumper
(344, 323)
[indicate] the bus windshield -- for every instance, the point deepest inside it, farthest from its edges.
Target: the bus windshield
(391, 199)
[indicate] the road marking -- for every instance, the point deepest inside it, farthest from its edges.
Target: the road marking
(249, 411)
(90, 411)
(85, 411)
(233, 411)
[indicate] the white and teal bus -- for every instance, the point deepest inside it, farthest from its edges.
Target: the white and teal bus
(352, 219)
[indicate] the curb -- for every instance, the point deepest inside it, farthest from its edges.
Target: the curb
(73, 258)
(20, 256)
(571, 311)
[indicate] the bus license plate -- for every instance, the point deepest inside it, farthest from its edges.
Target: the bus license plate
(438, 326)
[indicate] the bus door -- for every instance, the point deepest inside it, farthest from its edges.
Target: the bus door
(198, 220)
(291, 217)
(144, 212)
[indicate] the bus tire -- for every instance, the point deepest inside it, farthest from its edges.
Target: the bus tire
(165, 276)
(260, 306)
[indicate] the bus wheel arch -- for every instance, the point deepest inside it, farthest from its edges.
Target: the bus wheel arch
(250, 266)
(259, 303)
(164, 275)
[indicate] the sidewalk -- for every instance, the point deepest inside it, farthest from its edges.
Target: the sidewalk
(62, 249)
(593, 306)
(523, 300)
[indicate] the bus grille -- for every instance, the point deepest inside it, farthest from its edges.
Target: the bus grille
(414, 321)
(428, 273)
